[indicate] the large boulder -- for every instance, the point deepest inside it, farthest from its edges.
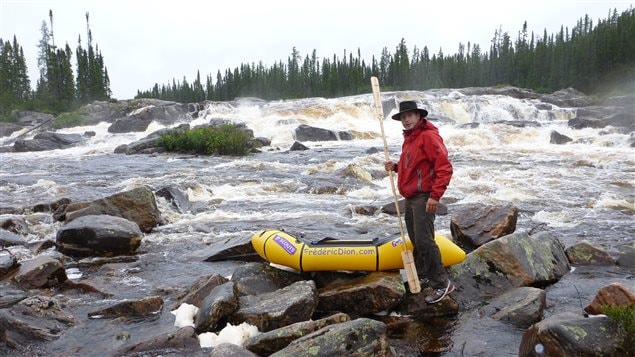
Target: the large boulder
(138, 205)
(509, 262)
(360, 337)
(99, 235)
(473, 225)
(569, 334)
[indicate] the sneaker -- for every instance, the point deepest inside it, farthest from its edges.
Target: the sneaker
(438, 294)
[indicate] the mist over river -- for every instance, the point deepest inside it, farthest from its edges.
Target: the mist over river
(581, 190)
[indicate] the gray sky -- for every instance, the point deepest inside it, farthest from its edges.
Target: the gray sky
(146, 42)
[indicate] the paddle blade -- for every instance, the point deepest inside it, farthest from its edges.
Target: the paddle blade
(411, 271)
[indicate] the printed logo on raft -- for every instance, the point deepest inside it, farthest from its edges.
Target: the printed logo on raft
(396, 242)
(285, 244)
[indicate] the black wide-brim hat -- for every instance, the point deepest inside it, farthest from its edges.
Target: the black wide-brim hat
(407, 106)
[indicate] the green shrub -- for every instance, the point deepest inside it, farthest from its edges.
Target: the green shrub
(221, 140)
(68, 120)
(624, 315)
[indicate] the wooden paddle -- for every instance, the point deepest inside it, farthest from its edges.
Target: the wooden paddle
(406, 255)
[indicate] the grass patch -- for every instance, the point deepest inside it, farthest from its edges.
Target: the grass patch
(224, 139)
(68, 120)
(624, 315)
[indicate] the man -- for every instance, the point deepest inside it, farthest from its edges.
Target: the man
(424, 172)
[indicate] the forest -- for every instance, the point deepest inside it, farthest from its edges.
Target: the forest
(593, 58)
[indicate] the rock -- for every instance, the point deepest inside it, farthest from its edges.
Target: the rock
(309, 133)
(297, 146)
(584, 253)
(269, 311)
(50, 206)
(145, 307)
(41, 272)
(259, 278)
(100, 235)
(221, 302)
(614, 294)
(10, 296)
(181, 342)
(360, 337)
(508, 262)
(138, 205)
(8, 239)
(37, 318)
(199, 290)
(522, 307)
(557, 138)
(365, 295)
(6, 129)
(175, 197)
(573, 335)
(356, 172)
(232, 249)
(269, 342)
(230, 350)
(27, 117)
(473, 225)
(416, 306)
(568, 97)
(8, 263)
(626, 259)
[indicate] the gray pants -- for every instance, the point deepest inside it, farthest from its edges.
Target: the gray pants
(420, 225)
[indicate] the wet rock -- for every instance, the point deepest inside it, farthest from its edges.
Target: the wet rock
(356, 172)
(522, 307)
(269, 342)
(221, 302)
(27, 117)
(473, 225)
(199, 290)
(584, 253)
(10, 296)
(614, 294)
(571, 335)
(41, 272)
(48, 141)
(100, 235)
(36, 318)
(137, 205)
(60, 212)
(416, 306)
(175, 197)
(259, 278)
(360, 337)
(8, 239)
(269, 311)
(232, 249)
(297, 146)
(7, 129)
(626, 259)
(230, 350)
(309, 133)
(152, 142)
(14, 224)
(509, 262)
(50, 206)
(364, 210)
(368, 294)
(557, 138)
(130, 308)
(259, 142)
(568, 97)
(181, 342)
(8, 262)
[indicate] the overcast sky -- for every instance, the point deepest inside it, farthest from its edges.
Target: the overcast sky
(147, 42)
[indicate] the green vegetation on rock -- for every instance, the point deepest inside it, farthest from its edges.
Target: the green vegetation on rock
(220, 140)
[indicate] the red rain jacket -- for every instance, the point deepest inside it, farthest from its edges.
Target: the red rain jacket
(424, 165)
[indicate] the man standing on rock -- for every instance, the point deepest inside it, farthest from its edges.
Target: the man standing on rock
(424, 172)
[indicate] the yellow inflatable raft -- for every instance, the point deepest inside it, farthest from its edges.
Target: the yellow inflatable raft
(329, 254)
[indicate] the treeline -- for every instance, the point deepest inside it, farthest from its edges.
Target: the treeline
(58, 88)
(580, 58)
